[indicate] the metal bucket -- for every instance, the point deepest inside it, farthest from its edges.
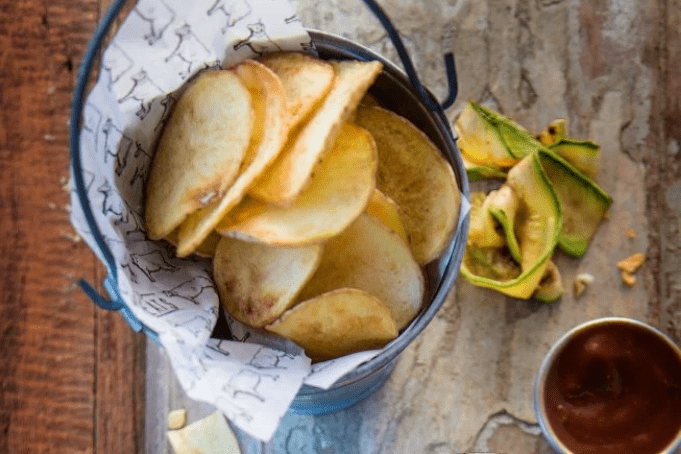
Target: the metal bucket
(397, 91)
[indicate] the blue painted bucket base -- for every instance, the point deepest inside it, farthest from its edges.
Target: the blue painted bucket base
(316, 401)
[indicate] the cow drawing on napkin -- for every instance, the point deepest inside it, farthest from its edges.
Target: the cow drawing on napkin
(118, 210)
(266, 358)
(156, 305)
(193, 323)
(150, 264)
(218, 346)
(188, 51)
(257, 40)
(116, 63)
(233, 10)
(247, 383)
(142, 91)
(141, 163)
(157, 15)
(192, 289)
(116, 145)
(167, 103)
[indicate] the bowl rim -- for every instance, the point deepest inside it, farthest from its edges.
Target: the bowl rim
(557, 347)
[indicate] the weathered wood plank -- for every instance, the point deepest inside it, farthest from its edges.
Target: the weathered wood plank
(670, 180)
(47, 328)
(66, 372)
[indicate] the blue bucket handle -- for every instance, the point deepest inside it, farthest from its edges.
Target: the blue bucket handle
(116, 303)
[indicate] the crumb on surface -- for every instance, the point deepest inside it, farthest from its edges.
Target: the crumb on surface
(632, 263)
(177, 419)
(580, 283)
(628, 278)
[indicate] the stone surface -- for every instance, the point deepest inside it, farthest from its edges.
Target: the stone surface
(610, 68)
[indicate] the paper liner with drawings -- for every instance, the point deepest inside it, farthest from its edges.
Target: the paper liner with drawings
(159, 47)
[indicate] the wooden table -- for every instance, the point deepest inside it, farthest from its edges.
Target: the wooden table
(72, 377)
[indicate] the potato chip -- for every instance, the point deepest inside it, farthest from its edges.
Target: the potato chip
(412, 172)
(200, 151)
(269, 100)
(306, 80)
(208, 435)
(338, 323)
(371, 257)
(386, 210)
(292, 170)
(207, 247)
(338, 192)
(257, 282)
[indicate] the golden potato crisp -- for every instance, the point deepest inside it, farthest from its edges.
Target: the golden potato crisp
(338, 323)
(256, 282)
(416, 176)
(386, 210)
(293, 168)
(371, 257)
(306, 80)
(200, 150)
(269, 100)
(207, 247)
(338, 192)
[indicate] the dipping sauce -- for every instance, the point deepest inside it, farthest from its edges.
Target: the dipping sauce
(615, 388)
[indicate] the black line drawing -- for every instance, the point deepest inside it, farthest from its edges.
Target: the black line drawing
(234, 328)
(192, 290)
(142, 91)
(131, 273)
(257, 40)
(167, 103)
(88, 181)
(112, 242)
(188, 50)
(234, 10)
(218, 347)
(195, 324)
(151, 263)
(114, 207)
(116, 144)
(246, 383)
(318, 367)
(158, 15)
(92, 117)
(116, 63)
(266, 358)
(233, 412)
(156, 305)
(291, 19)
(112, 203)
(142, 161)
(195, 369)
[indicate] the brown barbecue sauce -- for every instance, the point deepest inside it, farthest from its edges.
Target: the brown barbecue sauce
(615, 388)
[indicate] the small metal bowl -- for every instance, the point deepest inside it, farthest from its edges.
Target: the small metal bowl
(540, 399)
